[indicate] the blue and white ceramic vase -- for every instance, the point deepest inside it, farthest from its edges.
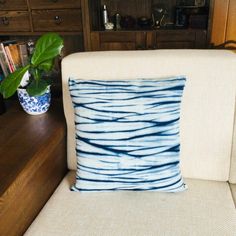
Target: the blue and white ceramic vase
(34, 105)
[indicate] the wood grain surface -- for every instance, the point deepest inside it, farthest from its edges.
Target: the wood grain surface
(32, 164)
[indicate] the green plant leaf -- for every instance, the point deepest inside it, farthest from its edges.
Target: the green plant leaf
(37, 88)
(10, 84)
(47, 47)
(46, 65)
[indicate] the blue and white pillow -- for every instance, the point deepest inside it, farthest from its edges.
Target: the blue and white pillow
(127, 134)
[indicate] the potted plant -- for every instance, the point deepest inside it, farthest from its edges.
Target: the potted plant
(34, 90)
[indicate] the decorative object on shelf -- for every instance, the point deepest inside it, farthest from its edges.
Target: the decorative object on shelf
(104, 15)
(117, 21)
(47, 48)
(144, 22)
(109, 26)
(106, 23)
(128, 22)
(30, 46)
(181, 19)
(159, 12)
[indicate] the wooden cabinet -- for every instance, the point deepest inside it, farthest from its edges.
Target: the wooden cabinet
(28, 19)
(176, 39)
(57, 20)
(168, 36)
(146, 40)
(12, 21)
(54, 4)
(13, 5)
(117, 40)
(18, 16)
(223, 21)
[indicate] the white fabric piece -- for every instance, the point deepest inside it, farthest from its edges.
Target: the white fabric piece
(205, 209)
(206, 125)
(233, 190)
(232, 177)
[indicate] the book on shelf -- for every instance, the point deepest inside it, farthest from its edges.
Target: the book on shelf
(24, 57)
(4, 63)
(3, 45)
(13, 55)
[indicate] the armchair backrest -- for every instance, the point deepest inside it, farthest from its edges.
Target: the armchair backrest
(208, 105)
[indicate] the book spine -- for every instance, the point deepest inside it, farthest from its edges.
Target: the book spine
(4, 64)
(6, 58)
(9, 56)
(23, 54)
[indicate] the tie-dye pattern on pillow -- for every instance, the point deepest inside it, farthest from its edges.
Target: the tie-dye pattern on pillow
(127, 134)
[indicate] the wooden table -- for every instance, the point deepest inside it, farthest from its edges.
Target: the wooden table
(32, 164)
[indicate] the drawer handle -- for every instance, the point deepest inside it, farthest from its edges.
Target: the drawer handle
(5, 21)
(54, 0)
(57, 20)
(2, 1)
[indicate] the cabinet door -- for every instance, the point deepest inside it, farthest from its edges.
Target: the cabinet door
(13, 5)
(14, 21)
(173, 39)
(54, 4)
(105, 41)
(176, 39)
(57, 20)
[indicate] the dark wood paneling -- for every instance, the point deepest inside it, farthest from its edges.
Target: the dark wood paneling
(57, 20)
(50, 4)
(175, 35)
(118, 40)
(117, 37)
(32, 164)
(175, 45)
(18, 21)
(13, 5)
(118, 46)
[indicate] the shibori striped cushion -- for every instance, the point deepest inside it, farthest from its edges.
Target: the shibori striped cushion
(127, 134)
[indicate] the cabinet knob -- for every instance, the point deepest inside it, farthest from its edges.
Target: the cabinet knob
(57, 20)
(5, 21)
(2, 1)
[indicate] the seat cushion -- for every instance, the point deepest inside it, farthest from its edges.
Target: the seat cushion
(207, 208)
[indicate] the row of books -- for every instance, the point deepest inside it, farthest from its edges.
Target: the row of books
(13, 55)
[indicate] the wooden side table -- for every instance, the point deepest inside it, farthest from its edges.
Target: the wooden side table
(32, 164)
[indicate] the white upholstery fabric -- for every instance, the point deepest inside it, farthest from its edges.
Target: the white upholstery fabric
(208, 103)
(233, 190)
(205, 209)
(232, 177)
